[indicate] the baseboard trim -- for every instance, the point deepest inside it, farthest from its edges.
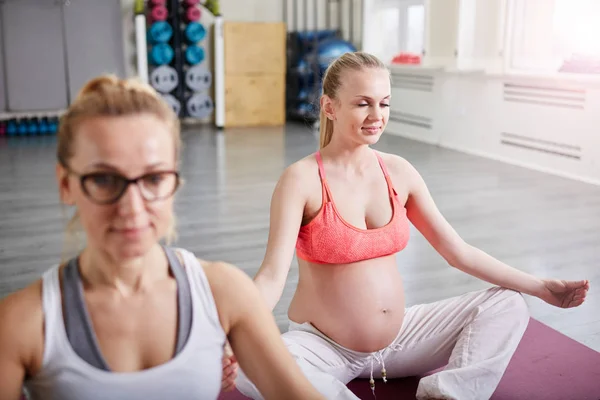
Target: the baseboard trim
(506, 160)
(413, 137)
(522, 164)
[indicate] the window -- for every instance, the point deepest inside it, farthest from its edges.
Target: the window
(415, 25)
(554, 36)
(393, 27)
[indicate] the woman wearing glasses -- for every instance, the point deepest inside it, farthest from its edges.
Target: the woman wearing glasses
(129, 317)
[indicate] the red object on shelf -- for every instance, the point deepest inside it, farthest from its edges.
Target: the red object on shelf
(406, 58)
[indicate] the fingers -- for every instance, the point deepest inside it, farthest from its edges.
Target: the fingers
(579, 296)
(229, 370)
(580, 293)
(228, 383)
(576, 298)
(226, 360)
(229, 360)
(229, 387)
(577, 284)
(575, 303)
(230, 367)
(567, 294)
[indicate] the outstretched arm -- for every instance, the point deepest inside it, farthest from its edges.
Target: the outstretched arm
(426, 217)
(254, 336)
(286, 212)
(287, 209)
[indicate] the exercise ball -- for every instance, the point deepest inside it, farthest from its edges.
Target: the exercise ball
(330, 49)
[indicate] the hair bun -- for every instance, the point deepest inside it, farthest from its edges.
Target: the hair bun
(110, 82)
(99, 84)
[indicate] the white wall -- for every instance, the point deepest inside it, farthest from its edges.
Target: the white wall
(538, 123)
(471, 104)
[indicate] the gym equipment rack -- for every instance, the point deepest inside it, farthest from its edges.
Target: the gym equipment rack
(305, 64)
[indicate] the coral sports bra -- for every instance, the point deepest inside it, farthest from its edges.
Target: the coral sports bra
(329, 239)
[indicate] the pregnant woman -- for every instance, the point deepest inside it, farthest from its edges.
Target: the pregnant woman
(346, 210)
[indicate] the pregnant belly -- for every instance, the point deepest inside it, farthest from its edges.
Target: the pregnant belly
(359, 306)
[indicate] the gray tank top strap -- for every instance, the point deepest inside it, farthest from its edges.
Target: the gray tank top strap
(184, 298)
(77, 320)
(78, 324)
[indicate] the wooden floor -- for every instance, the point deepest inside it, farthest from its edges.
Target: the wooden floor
(539, 223)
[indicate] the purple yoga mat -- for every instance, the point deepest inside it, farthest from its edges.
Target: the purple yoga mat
(547, 365)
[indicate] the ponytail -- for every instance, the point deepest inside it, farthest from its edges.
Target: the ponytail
(325, 130)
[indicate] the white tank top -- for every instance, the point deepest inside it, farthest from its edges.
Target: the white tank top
(194, 373)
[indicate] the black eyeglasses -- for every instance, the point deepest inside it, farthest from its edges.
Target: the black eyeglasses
(108, 187)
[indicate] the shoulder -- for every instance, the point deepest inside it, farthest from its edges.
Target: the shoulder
(220, 273)
(216, 272)
(233, 290)
(298, 181)
(404, 175)
(22, 309)
(300, 172)
(397, 166)
(22, 327)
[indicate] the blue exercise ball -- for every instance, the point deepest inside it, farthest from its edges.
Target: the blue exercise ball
(330, 49)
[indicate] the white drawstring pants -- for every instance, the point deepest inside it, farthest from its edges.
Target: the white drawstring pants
(474, 336)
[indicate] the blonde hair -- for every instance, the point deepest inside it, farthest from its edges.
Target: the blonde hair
(109, 96)
(332, 80)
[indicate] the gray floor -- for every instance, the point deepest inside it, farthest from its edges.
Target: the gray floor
(542, 224)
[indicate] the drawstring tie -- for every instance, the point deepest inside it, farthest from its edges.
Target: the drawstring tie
(378, 356)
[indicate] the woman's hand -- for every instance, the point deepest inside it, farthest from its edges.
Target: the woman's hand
(564, 294)
(230, 367)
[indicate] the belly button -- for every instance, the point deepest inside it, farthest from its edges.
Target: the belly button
(385, 310)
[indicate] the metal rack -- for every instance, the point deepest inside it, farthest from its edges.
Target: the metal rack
(307, 48)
